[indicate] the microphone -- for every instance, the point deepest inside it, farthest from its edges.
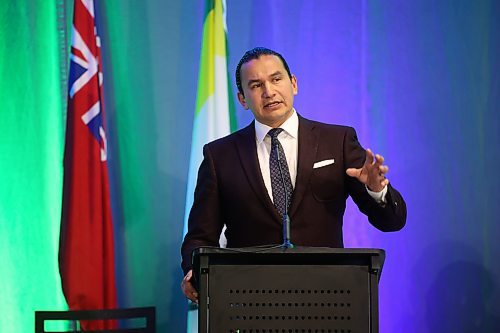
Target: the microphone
(287, 244)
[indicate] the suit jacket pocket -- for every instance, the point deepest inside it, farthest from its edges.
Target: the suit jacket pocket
(327, 183)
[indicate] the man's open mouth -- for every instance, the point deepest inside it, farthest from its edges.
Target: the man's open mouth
(272, 104)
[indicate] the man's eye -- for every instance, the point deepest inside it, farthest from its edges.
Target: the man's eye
(277, 79)
(255, 85)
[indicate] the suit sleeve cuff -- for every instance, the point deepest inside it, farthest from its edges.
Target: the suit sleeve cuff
(379, 197)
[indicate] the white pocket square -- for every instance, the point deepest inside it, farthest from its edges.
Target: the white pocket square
(323, 163)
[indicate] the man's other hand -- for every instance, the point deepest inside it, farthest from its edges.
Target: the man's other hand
(187, 287)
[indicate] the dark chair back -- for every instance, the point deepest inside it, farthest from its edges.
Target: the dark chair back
(147, 314)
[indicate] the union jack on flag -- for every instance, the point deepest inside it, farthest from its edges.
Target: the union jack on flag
(86, 249)
(85, 69)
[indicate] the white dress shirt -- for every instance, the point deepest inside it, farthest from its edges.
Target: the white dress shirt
(289, 141)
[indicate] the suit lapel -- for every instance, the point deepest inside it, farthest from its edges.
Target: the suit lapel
(308, 147)
(247, 151)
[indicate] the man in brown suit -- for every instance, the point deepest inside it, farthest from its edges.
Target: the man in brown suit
(326, 164)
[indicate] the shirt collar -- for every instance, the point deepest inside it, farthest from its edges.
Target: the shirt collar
(290, 126)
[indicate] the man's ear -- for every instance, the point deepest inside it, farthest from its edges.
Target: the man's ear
(295, 86)
(241, 98)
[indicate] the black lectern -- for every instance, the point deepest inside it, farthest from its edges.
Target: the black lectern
(298, 290)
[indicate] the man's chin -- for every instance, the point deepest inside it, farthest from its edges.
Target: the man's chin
(274, 118)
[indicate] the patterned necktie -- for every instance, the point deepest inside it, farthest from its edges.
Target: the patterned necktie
(280, 183)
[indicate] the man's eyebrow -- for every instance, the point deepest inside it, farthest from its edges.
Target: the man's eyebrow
(277, 73)
(253, 80)
(273, 75)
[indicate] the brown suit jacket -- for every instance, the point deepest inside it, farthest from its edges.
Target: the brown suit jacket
(230, 190)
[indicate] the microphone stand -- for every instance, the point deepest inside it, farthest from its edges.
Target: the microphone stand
(287, 244)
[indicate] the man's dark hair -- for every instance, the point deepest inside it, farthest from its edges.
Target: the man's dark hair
(255, 53)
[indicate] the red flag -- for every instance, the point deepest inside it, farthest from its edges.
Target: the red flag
(86, 249)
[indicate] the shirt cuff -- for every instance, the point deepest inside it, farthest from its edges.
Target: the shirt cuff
(379, 197)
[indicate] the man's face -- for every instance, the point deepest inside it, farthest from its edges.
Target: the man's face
(268, 91)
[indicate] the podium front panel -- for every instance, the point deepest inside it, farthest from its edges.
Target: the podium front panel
(316, 298)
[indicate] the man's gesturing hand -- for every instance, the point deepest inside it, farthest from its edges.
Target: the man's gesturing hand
(372, 174)
(188, 289)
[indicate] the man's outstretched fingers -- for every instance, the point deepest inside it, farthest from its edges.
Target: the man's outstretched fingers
(369, 157)
(383, 169)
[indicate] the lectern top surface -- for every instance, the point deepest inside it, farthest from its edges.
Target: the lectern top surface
(293, 250)
(300, 255)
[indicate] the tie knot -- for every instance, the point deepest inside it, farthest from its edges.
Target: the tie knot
(273, 133)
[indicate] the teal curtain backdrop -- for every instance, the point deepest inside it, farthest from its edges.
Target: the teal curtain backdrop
(419, 80)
